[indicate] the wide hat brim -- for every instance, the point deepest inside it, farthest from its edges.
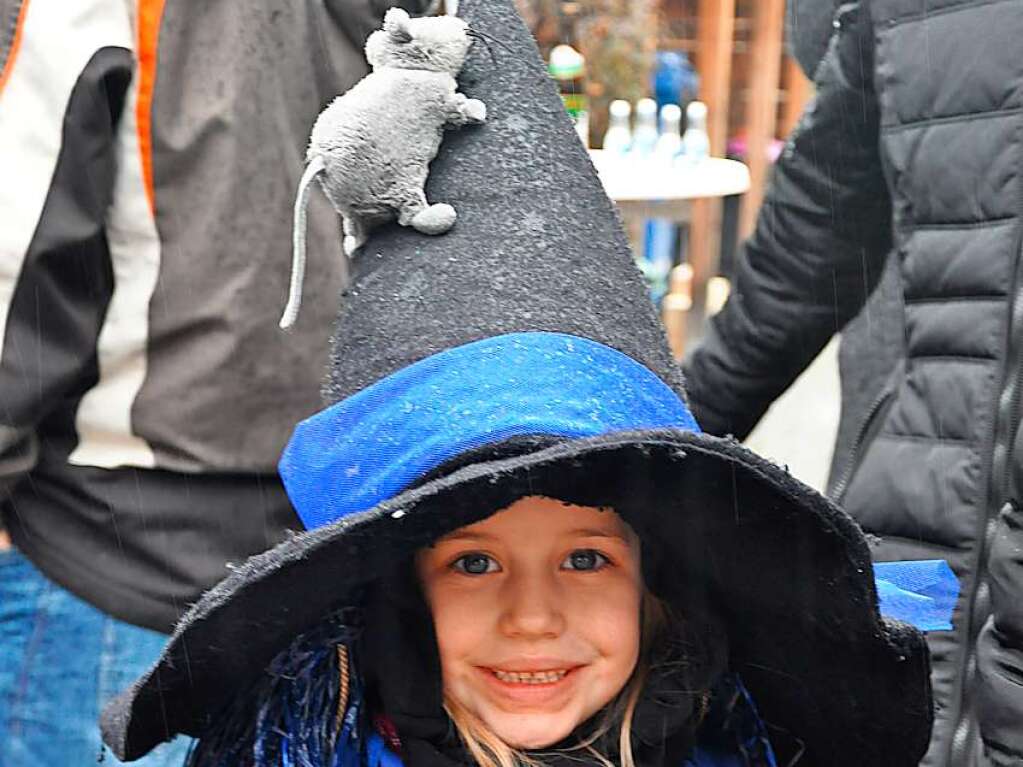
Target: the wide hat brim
(790, 573)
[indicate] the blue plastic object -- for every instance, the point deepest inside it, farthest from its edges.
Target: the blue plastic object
(922, 593)
(675, 80)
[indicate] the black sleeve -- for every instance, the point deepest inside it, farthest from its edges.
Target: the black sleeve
(818, 249)
(64, 278)
(808, 30)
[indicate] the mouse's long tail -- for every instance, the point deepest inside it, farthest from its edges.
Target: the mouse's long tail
(312, 170)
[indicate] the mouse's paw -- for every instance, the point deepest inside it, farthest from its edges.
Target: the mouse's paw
(350, 245)
(475, 111)
(435, 219)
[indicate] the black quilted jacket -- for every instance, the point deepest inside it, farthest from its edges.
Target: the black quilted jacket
(911, 154)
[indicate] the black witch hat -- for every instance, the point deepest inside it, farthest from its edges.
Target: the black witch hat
(519, 355)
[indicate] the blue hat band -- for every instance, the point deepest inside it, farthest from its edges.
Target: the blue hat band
(371, 446)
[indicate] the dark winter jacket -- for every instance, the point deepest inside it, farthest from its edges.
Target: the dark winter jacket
(808, 27)
(149, 157)
(912, 152)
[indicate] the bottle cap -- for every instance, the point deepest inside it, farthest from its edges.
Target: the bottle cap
(671, 113)
(696, 112)
(646, 108)
(620, 108)
(566, 63)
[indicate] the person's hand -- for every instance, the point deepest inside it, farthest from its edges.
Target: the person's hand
(5, 540)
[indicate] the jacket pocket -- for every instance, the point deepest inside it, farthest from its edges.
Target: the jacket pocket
(1000, 644)
(867, 433)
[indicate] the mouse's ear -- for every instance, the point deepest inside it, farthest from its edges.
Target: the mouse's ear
(396, 23)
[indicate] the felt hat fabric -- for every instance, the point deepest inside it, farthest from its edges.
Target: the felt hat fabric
(520, 355)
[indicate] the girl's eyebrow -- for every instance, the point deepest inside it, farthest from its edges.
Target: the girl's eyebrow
(458, 535)
(589, 532)
(582, 532)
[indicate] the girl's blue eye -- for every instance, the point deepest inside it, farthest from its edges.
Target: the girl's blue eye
(475, 564)
(585, 560)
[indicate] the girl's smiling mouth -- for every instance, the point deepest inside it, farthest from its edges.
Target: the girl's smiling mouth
(535, 686)
(531, 677)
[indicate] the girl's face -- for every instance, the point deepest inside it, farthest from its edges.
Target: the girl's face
(537, 613)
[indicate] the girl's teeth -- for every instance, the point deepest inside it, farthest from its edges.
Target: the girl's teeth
(530, 677)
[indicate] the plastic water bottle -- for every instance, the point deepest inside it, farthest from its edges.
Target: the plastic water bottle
(669, 143)
(568, 68)
(660, 240)
(695, 141)
(644, 140)
(675, 307)
(618, 138)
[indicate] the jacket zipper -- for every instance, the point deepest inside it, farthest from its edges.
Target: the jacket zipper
(842, 483)
(1008, 416)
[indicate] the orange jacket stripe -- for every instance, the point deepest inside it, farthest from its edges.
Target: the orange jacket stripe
(15, 44)
(150, 12)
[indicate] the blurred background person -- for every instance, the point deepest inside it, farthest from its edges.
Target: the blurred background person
(906, 168)
(150, 152)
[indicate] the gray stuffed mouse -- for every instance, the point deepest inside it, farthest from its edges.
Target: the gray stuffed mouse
(371, 148)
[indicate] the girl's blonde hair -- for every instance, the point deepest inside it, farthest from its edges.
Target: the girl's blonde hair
(488, 750)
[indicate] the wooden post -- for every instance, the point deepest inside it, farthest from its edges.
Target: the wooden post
(762, 112)
(714, 63)
(798, 90)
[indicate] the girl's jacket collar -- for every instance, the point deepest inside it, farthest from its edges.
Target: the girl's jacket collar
(732, 735)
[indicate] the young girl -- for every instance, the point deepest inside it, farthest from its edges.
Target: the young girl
(519, 548)
(642, 596)
(528, 637)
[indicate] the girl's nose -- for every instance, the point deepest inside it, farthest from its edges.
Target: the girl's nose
(531, 608)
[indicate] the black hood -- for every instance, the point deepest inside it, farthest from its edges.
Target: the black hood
(808, 28)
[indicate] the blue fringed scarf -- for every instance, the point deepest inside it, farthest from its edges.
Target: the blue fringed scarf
(289, 717)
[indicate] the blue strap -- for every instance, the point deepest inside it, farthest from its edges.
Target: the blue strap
(378, 754)
(922, 593)
(732, 733)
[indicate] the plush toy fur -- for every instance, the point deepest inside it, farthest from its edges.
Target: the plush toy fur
(371, 147)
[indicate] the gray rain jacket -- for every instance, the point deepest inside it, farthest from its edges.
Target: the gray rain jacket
(149, 156)
(911, 153)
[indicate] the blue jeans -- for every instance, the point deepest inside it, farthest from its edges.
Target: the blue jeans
(61, 660)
